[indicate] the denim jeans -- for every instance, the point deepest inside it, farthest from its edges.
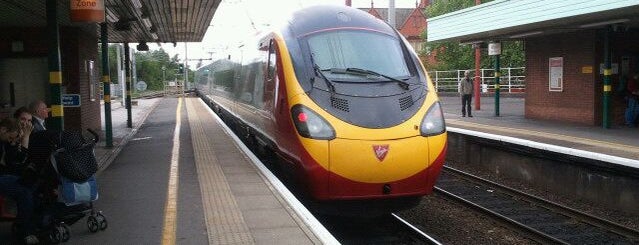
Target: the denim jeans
(632, 111)
(9, 187)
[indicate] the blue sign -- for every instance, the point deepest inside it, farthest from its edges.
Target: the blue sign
(71, 100)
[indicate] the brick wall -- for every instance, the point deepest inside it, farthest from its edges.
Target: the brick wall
(576, 103)
(81, 46)
(77, 46)
(582, 96)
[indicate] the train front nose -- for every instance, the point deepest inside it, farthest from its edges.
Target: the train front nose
(378, 168)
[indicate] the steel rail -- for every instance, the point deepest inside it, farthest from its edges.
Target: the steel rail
(416, 230)
(556, 207)
(537, 235)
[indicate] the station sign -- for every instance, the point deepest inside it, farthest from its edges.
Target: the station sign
(494, 48)
(71, 100)
(87, 10)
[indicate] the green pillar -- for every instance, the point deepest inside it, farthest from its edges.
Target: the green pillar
(127, 70)
(56, 121)
(607, 88)
(106, 83)
(497, 76)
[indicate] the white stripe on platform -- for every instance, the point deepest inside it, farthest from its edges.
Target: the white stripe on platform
(314, 225)
(553, 148)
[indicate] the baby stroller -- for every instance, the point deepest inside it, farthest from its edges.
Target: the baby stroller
(68, 165)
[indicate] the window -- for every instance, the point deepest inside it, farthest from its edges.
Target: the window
(369, 50)
(271, 60)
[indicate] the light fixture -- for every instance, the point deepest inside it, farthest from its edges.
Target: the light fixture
(603, 23)
(136, 3)
(143, 47)
(154, 36)
(111, 17)
(146, 22)
(526, 34)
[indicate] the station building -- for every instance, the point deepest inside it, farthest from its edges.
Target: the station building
(579, 54)
(49, 49)
(410, 22)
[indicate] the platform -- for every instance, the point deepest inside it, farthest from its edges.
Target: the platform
(619, 142)
(179, 177)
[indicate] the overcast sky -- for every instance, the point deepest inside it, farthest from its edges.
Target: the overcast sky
(233, 17)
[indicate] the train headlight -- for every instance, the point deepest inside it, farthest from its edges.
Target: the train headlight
(433, 123)
(311, 125)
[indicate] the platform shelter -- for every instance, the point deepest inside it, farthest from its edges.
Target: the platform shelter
(579, 54)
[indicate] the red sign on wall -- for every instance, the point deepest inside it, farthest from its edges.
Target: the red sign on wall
(87, 10)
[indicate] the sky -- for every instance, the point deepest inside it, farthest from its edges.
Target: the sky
(234, 17)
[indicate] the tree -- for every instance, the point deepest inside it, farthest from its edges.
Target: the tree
(451, 55)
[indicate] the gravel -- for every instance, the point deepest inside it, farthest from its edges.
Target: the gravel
(620, 217)
(452, 223)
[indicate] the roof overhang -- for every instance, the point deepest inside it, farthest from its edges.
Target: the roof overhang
(518, 19)
(128, 20)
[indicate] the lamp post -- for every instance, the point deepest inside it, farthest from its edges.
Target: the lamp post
(164, 78)
(494, 49)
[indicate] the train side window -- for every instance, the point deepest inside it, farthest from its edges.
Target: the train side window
(271, 61)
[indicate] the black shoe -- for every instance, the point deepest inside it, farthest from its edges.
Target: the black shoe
(470, 115)
(463, 115)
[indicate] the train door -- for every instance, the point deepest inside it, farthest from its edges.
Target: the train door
(285, 132)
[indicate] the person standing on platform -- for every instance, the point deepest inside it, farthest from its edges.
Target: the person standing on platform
(40, 113)
(466, 92)
(632, 111)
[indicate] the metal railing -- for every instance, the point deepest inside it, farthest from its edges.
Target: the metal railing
(512, 80)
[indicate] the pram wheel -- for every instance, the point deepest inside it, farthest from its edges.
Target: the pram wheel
(59, 233)
(66, 234)
(14, 229)
(92, 224)
(102, 221)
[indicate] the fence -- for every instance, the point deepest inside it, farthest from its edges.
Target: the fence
(512, 80)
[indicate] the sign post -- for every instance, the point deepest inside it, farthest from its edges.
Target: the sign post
(494, 48)
(87, 10)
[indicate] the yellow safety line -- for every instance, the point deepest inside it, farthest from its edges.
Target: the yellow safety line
(600, 143)
(170, 209)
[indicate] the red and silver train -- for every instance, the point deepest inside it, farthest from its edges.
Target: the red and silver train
(342, 98)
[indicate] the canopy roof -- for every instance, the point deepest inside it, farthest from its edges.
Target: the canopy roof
(128, 20)
(516, 19)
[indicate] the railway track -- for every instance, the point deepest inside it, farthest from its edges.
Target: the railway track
(389, 229)
(544, 221)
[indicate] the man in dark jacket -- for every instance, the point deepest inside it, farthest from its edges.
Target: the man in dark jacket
(10, 156)
(466, 92)
(40, 113)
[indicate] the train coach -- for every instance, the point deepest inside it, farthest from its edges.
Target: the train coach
(343, 100)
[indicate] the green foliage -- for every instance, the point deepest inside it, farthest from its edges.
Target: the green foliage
(440, 7)
(451, 55)
(149, 67)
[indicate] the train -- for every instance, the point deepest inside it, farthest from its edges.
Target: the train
(341, 97)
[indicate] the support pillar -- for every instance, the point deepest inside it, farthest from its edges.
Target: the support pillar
(497, 76)
(476, 86)
(56, 121)
(106, 83)
(127, 70)
(607, 87)
(477, 72)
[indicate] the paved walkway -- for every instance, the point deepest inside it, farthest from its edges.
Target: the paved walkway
(618, 141)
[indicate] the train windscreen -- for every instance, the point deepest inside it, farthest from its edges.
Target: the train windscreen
(368, 50)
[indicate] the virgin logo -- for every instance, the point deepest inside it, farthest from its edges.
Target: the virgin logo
(380, 151)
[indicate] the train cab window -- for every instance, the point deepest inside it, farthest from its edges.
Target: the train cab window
(271, 61)
(343, 49)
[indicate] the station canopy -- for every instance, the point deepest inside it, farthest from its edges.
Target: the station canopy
(128, 20)
(516, 19)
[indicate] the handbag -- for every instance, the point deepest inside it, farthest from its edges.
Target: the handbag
(72, 193)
